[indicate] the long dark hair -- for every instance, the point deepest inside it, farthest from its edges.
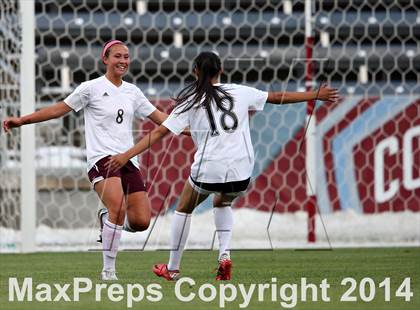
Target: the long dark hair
(202, 92)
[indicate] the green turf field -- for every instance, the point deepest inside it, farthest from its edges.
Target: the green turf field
(250, 267)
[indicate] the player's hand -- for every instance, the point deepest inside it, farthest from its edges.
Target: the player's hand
(117, 162)
(11, 122)
(326, 93)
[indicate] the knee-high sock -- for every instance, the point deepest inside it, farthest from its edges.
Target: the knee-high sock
(180, 228)
(223, 219)
(111, 235)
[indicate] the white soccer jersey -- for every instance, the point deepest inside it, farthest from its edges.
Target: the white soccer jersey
(223, 140)
(109, 112)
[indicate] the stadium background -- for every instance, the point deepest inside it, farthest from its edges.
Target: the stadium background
(367, 146)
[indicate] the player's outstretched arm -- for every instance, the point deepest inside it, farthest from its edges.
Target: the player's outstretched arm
(158, 117)
(324, 93)
(53, 111)
(119, 160)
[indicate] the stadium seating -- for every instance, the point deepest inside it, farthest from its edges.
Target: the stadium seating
(382, 35)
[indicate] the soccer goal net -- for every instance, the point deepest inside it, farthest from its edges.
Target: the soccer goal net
(366, 148)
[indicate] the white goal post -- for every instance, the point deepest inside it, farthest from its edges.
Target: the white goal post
(27, 103)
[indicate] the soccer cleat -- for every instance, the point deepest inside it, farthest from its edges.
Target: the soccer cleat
(108, 275)
(224, 269)
(101, 213)
(161, 270)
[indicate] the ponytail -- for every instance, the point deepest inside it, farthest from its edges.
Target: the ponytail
(201, 92)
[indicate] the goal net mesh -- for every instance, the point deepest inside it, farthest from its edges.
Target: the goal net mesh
(367, 146)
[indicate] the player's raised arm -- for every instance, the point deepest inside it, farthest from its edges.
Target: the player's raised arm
(324, 93)
(119, 160)
(53, 111)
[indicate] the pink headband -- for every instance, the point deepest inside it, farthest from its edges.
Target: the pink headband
(109, 45)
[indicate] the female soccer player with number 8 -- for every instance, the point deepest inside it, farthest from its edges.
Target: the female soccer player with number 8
(110, 105)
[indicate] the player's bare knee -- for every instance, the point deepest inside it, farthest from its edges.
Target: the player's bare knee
(140, 225)
(222, 201)
(185, 209)
(217, 200)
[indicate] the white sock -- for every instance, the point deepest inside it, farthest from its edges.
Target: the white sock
(223, 219)
(180, 228)
(111, 235)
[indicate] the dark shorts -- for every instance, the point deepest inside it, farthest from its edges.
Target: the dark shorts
(235, 188)
(129, 174)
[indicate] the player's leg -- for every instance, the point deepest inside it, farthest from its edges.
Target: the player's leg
(180, 227)
(138, 212)
(138, 204)
(111, 193)
(223, 215)
(190, 198)
(223, 220)
(181, 222)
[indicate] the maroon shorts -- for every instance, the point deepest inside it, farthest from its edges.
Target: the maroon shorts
(130, 175)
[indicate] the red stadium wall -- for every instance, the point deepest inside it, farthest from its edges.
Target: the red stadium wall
(393, 166)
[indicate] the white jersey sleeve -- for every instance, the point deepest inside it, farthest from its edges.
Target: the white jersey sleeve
(143, 106)
(79, 98)
(259, 97)
(177, 122)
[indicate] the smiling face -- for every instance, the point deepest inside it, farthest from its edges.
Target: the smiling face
(117, 60)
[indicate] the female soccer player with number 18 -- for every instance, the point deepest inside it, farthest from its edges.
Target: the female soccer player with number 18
(110, 105)
(217, 115)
